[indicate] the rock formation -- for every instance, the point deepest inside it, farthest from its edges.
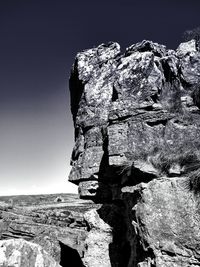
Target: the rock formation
(137, 151)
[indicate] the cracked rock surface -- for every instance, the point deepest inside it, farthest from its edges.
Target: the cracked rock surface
(58, 227)
(20, 253)
(137, 151)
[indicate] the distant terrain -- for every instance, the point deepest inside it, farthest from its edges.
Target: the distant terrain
(48, 201)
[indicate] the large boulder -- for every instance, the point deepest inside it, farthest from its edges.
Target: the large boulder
(137, 151)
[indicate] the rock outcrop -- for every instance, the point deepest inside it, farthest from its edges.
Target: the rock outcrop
(137, 151)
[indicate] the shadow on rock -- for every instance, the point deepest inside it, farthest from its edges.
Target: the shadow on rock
(120, 249)
(69, 257)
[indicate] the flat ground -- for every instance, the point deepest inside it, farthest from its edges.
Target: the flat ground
(49, 201)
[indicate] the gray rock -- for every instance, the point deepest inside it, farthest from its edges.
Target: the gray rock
(186, 48)
(170, 214)
(128, 105)
(189, 62)
(98, 241)
(46, 227)
(137, 151)
(21, 253)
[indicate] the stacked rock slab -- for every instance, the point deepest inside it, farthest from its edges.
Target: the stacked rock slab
(137, 151)
(59, 229)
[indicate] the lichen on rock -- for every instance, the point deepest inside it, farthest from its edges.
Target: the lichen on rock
(137, 149)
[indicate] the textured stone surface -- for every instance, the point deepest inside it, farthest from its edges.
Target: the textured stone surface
(98, 241)
(21, 253)
(43, 233)
(59, 228)
(137, 151)
(127, 106)
(166, 217)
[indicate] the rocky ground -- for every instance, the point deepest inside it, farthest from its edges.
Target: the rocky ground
(53, 221)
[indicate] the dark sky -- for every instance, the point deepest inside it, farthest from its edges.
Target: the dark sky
(38, 43)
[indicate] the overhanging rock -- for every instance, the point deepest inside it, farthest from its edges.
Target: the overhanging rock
(137, 149)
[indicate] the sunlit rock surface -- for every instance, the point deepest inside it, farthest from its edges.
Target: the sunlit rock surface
(21, 253)
(58, 227)
(137, 151)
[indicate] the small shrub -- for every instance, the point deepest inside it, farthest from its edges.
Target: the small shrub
(187, 160)
(59, 199)
(163, 158)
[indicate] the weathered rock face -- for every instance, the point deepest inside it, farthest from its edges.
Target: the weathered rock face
(137, 151)
(21, 253)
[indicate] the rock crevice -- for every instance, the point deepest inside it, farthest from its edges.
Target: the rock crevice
(137, 151)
